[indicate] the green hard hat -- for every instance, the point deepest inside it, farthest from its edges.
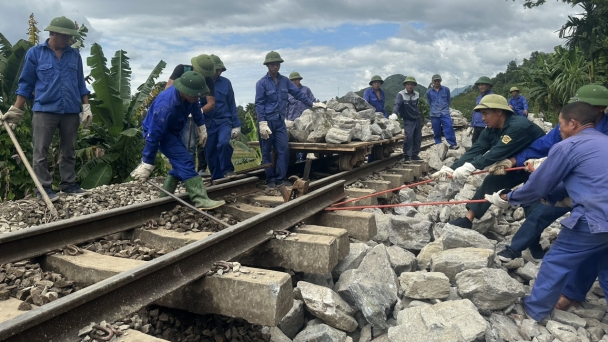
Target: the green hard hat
(376, 78)
(204, 65)
(593, 94)
(493, 101)
(273, 56)
(218, 63)
(484, 80)
(62, 25)
(295, 75)
(436, 77)
(410, 79)
(513, 89)
(192, 83)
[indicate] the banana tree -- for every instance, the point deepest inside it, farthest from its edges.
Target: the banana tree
(116, 143)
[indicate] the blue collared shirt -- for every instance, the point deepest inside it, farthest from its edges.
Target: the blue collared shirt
(225, 105)
(580, 162)
(167, 115)
(519, 105)
(56, 85)
(439, 101)
(370, 96)
(541, 146)
(295, 107)
(271, 98)
(476, 119)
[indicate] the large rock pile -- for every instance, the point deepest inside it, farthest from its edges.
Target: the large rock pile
(421, 279)
(342, 122)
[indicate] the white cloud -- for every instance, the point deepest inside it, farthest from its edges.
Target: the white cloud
(460, 39)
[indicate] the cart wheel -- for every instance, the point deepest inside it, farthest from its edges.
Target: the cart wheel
(378, 153)
(344, 162)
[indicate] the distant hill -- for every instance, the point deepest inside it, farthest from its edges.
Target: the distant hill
(458, 91)
(391, 86)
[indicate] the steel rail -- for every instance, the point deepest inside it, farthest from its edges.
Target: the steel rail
(35, 241)
(125, 293)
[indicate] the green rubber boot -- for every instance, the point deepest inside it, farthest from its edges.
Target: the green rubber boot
(170, 185)
(198, 194)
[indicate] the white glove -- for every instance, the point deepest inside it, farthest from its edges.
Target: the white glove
(202, 135)
(319, 105)
(469, 130)
(86, 117)
(393, 117)
(498, 168)
(265, 131)
(461, 174)
(496, 200)
(12, 117)
(533, 164)
(142, 172)
(443, 174)
(236, 131)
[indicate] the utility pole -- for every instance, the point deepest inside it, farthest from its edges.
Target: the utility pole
(456, 86)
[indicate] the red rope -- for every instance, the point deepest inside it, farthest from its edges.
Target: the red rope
(406, 205)
(413, 185)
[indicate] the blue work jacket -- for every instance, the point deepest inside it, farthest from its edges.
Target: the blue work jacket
(541, 146)
(295, 107)
(439, 101)
(476, 120)
(271, 98)
(519, 105)
(167, 115)
(578, 165)
(225, 105)
(56, 85)
(370, 96)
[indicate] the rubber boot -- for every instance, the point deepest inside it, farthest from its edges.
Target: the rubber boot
(198, 194)
(170, 185)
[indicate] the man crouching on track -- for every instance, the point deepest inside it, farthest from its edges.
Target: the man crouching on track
(162, 129)
(505, 135)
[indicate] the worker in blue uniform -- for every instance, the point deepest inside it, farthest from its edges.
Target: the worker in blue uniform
(271, 106)
(518, 102)
(162, 130)
(484, 85)
(223, 125)
(576, 169)
(375, 96)
(439, 99)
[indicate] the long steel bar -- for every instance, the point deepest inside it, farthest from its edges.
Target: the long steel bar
(122, 294)
(35, 241)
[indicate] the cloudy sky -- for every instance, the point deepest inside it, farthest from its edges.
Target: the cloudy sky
(336, 45)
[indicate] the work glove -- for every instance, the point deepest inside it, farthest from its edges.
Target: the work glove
(265, 131)
(469, 131)
(496, 200)
(86, 117)
(12, 117)
(443, 174)
(319, 105)
(234, 133)
(202, 135)
(498, 168)
(393, 117)
(142, 172)
(533, 164)
(461, 174)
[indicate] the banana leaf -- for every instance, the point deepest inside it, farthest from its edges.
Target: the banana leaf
(14, 66)
(5, 46)
(144, 90)
(101, 174)
(109, 106)
(121, 72)
(78, 41)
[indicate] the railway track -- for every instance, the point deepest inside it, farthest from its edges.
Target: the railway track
(124, 293)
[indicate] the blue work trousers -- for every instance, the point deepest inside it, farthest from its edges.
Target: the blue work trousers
(528, 235)
(413, 137)
(218, 149)
(279, 141)
(190, 140)
(573, 249)
(444, 121)
(181, 161)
